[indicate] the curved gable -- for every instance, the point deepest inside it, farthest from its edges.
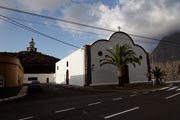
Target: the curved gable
(107, 73)
(116, 35)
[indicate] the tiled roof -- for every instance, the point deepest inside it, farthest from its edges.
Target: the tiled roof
(35, 62)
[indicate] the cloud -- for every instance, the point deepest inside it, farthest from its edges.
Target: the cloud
(39, 6)
(142, 16)
(150, 18)
(81, 13)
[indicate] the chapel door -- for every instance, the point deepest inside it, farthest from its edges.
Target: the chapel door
(126, 74)
(67, 77)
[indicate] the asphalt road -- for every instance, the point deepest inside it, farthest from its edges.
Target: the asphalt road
(67, 104)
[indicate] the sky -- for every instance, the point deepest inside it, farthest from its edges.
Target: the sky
(150, 18)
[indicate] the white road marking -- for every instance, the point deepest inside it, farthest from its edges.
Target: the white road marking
(117, 99)
(59, 111)
(171, 88)
(164, 88)
(26, 118)
(133, 95)
(153, 90)
(145, 92)
(94, 103)
(113, 115)
(172, 95)
(178, 89)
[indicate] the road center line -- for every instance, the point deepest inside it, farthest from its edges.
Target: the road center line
(153, 90)
(172, 95)
(95, 103)
(133, 95)
(164, 88)
(59, 111)
(178, 89)
(145, 92)
(113, 115)
(171, 88)
(26, 118)
(117, 99)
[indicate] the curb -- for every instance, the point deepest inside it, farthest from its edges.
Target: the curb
(21, 94)
(110, 90)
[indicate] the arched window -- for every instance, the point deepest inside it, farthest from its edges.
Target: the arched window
(67, 64)
(57, 67)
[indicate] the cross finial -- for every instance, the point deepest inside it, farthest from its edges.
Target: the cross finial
(119, 28)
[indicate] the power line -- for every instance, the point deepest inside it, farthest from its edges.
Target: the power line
(29, 21)
(56, 26)
(167, 42)
(71, 22)
(53, 18)
(43, 34)
(76, 23)
(35, 31)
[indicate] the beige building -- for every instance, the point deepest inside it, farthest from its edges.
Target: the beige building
(11, 75)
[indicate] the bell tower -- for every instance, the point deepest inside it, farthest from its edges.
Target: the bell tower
(32, 46)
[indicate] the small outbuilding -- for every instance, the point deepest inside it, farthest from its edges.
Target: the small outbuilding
(82, 67)
(36, 65)
(11, 76)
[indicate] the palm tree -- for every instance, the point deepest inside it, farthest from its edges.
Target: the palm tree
(158, 74)
(120, 56)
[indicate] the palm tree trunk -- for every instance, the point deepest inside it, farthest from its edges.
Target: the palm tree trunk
(120, 77)
(157, 81)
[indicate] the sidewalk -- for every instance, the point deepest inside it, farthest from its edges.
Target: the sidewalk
(22, 93)
(114, 88)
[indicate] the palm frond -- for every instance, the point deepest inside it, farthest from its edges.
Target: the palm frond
(120, 56)
(158, 73)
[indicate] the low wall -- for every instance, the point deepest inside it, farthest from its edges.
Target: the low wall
(9, 91)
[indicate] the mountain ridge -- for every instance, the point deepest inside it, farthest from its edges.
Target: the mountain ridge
(168, 49)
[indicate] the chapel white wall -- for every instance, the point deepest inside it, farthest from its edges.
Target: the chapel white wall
(107, 74)
(76, 68)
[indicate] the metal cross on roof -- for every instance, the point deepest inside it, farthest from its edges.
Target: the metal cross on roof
(119, 28)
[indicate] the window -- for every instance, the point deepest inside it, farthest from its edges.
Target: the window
(67, 64)
(57, 67)
(47, 80)
(2, 79)
(32, 78)
(100, 53)
(140, 57)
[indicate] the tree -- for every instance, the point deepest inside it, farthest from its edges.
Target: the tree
(158, 74)
(120, 56)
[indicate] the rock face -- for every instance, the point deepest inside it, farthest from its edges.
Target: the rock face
(167, 56)
(168, 49)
